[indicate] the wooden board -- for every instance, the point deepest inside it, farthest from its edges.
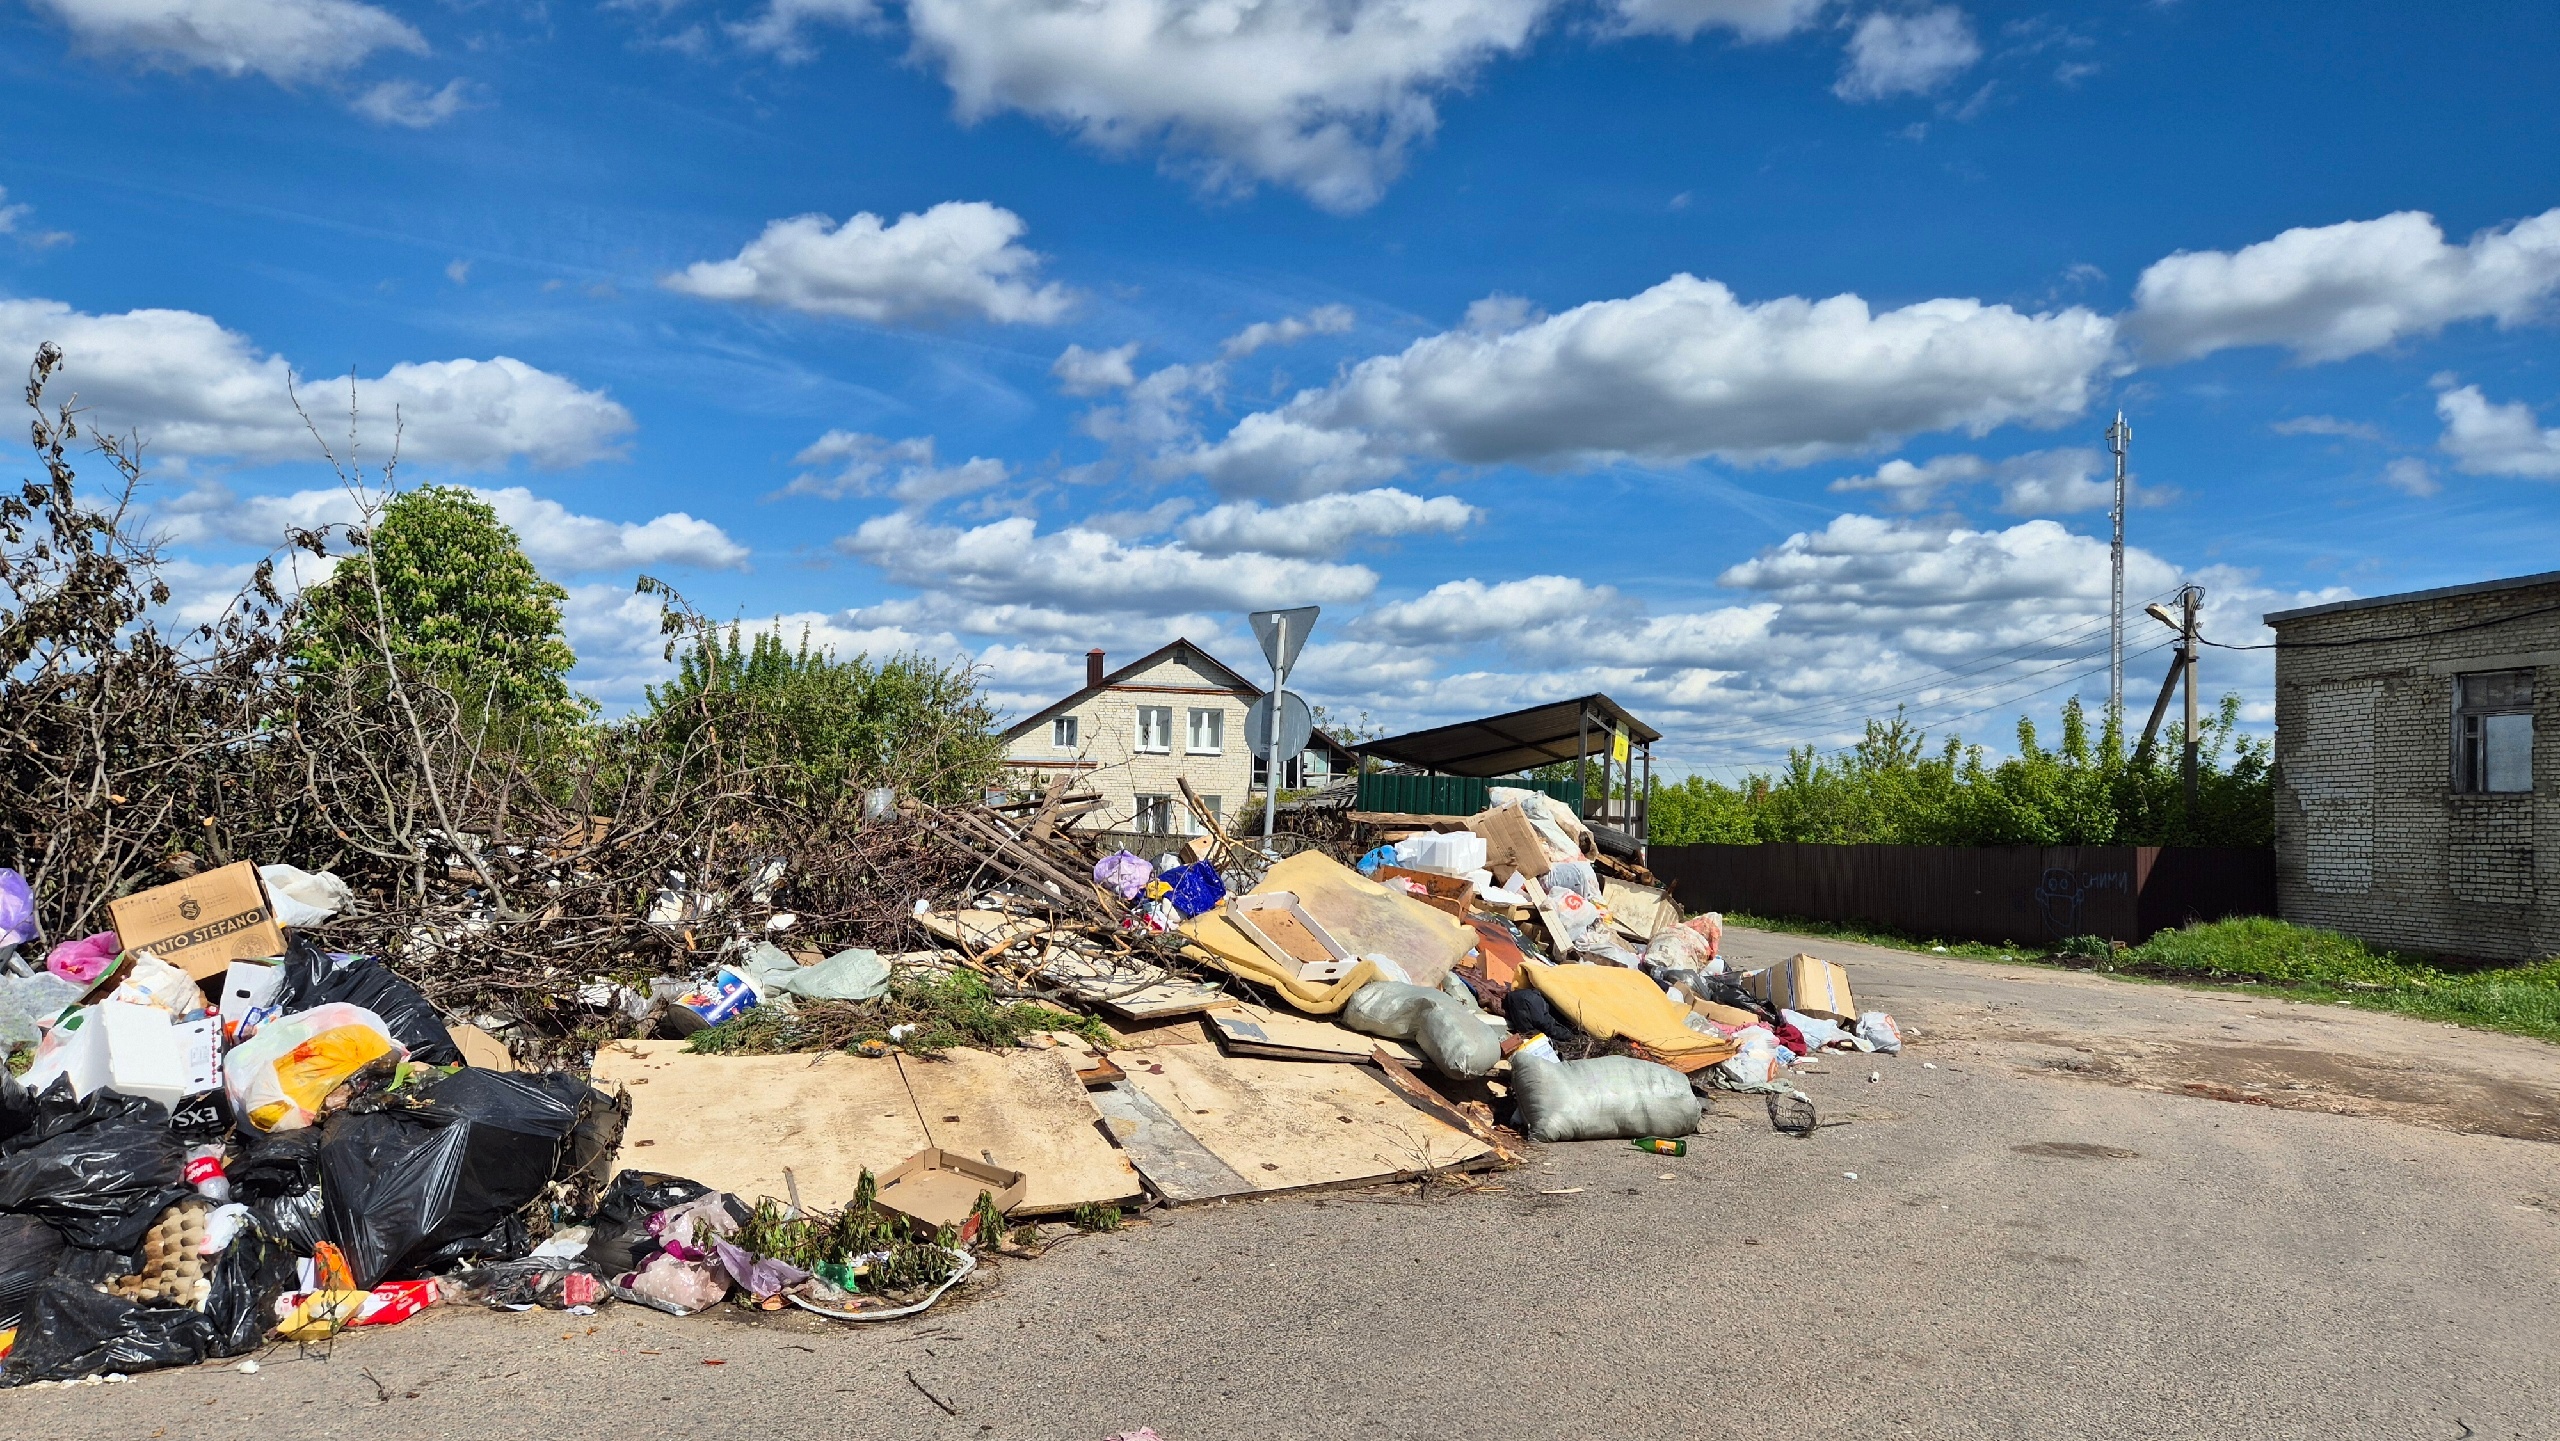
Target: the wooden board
(1282, 1125)
(1176, 1164)
(734, 1122)
(1286, 1036)
(1127, 987)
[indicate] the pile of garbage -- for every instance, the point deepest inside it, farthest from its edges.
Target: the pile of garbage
(219, 1134)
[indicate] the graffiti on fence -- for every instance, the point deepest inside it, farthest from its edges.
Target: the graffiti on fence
(2060, 894)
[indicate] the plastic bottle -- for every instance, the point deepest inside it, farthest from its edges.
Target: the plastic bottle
(204, 1172)
(1660, 1146)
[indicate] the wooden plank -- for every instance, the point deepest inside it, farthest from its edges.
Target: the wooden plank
(1419, 1093)
(1174, 1162)
(735, 1122)
(1285, 1126)
(1024, 1111)
(1281, 1035)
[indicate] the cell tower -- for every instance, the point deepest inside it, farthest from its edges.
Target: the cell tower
(2117, 435)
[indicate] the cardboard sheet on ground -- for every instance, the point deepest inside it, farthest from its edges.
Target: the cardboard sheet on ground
(1364, 916)
(1614, 1003)
(1281, 1036)
(735, 1122)
(1202, 1125)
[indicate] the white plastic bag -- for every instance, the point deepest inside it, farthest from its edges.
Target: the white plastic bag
(305, 898)
(279, 1077)
(1878, 1030)
(1757, 1063)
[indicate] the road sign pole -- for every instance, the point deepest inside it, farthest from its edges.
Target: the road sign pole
(1271, 742)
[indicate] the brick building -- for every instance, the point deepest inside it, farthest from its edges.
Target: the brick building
(2417, 747)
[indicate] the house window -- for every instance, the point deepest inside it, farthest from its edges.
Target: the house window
(1217, 811)
(2493, 732)
(1208, 730)
(1155, 815)
(1062, 732)
(1155, 728)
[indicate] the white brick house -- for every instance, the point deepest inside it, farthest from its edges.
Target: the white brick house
(1178, 712)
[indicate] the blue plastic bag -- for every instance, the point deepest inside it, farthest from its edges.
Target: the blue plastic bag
(1196, 887)
(1382, 856)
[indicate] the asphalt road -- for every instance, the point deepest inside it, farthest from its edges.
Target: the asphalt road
(2098, 1210)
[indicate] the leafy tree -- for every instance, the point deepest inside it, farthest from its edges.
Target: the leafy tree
(444, 585)
(827, 729)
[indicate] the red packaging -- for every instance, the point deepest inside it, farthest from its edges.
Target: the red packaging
(395, 1301)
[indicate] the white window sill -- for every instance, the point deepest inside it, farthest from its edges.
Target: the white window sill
(1204, 753)
(1154, 751)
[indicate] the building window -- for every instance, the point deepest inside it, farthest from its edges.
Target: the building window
(1217, 811)
(2493, 732)
(1062, 732)
(1208, 731)
(1155, 815)
(1155, 728)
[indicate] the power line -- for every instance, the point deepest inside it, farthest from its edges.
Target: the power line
(2383, 639)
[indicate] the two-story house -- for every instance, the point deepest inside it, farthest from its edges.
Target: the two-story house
(1176, 714)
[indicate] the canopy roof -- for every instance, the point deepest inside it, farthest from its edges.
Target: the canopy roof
(1517, 741)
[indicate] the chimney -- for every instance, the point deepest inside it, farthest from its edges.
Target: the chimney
(1093, 667)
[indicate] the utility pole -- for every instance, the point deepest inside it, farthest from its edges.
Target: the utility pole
(2188, 599)
(2118, 435)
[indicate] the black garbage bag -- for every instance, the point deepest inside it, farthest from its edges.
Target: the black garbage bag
(29, 1250)
(241, 1292)
(315, 977)
(70, 1331)
(406, 1187)
(101, 1170)
(620, 1233)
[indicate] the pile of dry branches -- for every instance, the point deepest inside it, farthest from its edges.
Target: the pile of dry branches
(499, 867)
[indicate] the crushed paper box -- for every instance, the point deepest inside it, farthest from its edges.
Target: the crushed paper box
(203, 923)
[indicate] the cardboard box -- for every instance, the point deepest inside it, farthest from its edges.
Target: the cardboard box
(935, 1188)
(1444, 893)
(1510, 842)
(1803, 983)
(203, 923)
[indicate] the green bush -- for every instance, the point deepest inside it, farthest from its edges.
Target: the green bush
(1890, 788)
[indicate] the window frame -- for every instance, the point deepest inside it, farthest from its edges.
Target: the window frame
(1162, 716)
(1217, 718)
(1159, 808)
(2471, 751)
(1062, 732)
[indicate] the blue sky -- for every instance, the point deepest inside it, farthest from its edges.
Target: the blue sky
(1746, 359)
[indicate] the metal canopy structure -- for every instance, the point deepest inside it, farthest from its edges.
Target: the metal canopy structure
(1558, 732)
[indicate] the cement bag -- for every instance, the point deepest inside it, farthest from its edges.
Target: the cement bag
(1678, 949)
(1880, 1033)
(278, 1077)
(1445, 1028)
(1607, 1098)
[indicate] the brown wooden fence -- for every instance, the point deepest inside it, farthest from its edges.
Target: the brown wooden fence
(2006, 895)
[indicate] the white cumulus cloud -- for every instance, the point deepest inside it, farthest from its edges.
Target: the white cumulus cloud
(1079, 371)
(1894, 53)
(287, 41)
(848, 463)
(192, 388)
(2486, 438)
(781, 28)
(1681, 371)
(1323, 320)
(957, 259)
(1326, 525)
(1683, 19)
(1325, 96)
(558, 540)
(2328, 292)
(1010, 562)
